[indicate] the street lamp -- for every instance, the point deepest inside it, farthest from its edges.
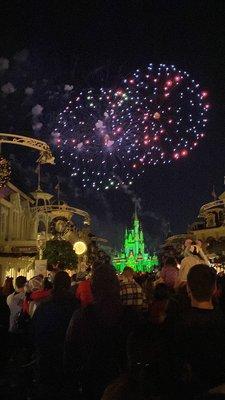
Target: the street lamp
(80, 248)
(41, 243)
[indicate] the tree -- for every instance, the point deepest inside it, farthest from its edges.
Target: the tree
(60, 251)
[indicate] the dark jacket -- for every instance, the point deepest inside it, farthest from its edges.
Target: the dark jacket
(201, 346)
(4, 335)
(95, 348)
(4, 314)
(50, 322)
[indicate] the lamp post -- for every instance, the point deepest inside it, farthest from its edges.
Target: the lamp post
(41, 244)
(80, 248)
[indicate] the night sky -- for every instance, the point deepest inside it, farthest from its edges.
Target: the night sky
(95, 42)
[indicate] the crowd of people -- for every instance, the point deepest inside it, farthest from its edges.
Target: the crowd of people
(102, 336)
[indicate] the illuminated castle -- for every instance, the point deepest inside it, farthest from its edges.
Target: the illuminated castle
(133, 254)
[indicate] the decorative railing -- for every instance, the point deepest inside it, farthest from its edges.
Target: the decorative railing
(45, 157)
(63, 208)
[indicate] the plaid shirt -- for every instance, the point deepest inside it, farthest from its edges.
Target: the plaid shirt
(131, 294)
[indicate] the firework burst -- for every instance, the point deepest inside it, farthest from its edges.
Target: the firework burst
(109, 137)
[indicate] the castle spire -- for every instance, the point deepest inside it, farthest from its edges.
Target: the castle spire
(136, 206)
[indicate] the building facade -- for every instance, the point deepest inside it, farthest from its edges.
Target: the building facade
(209, 226)
(17, 232)
(26, 223)
(210, 223)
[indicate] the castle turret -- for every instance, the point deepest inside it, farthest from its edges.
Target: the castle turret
(134, 249)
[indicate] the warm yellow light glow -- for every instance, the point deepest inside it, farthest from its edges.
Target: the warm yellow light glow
(80, 248)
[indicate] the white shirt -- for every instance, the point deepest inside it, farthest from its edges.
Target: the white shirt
(186, 264)
(15, 303)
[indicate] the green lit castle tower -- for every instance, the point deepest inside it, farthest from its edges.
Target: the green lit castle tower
(133, 253)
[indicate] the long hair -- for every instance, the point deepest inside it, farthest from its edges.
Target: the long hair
(61, 285)
(106, 292)
(8, 287)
